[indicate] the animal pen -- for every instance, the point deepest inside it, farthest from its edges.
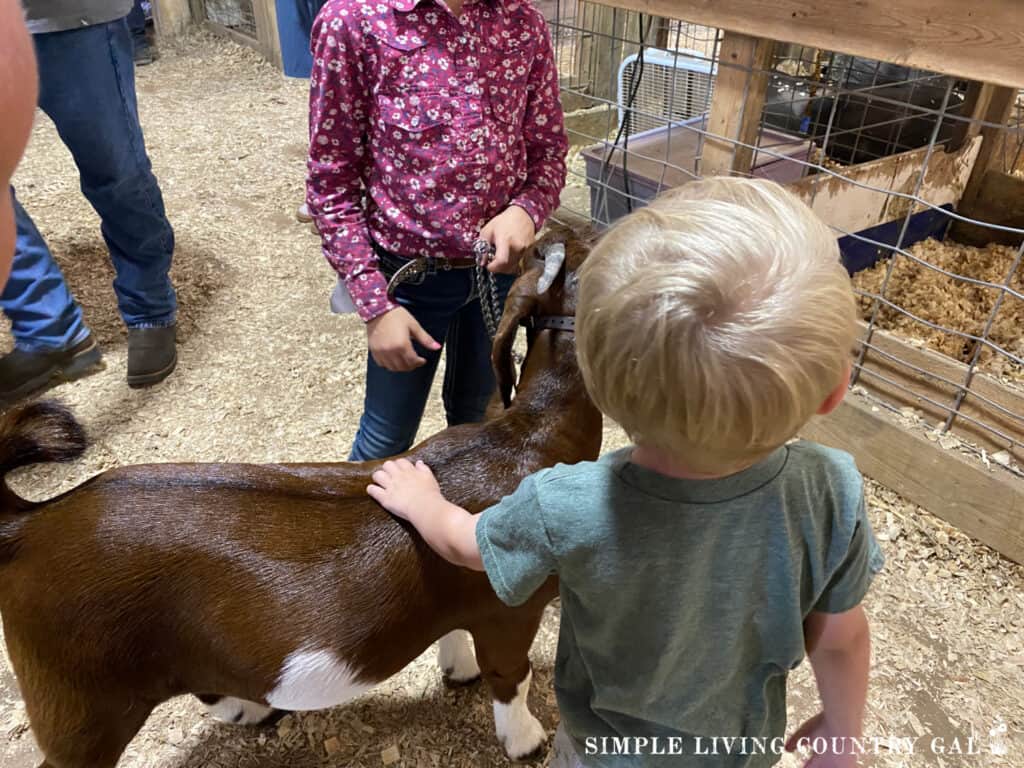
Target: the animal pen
(901, 124)
(903, 128)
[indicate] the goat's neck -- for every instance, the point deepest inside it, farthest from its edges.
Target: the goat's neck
(551, 393)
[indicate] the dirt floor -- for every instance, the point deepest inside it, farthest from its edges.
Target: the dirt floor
(267, 374)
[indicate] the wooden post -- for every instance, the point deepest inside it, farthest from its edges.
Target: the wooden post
(601, 51)
(993, 104)
(267, 32)
(737, 104)
(171, 18)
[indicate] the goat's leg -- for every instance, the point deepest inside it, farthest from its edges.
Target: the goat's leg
(456, 660)
(503, 648)
(80, 729)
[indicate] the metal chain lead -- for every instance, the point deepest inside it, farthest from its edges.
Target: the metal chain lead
(487, 287)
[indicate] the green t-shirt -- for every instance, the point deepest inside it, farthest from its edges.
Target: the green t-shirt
(683, 600)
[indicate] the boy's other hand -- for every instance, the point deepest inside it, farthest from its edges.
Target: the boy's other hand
(390, 337)
(510, 232)
(815, 728)
(400, 485)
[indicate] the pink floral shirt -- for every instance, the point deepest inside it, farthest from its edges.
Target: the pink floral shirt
(424, 126)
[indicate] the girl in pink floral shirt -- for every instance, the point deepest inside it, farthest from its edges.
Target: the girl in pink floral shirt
(432, 125)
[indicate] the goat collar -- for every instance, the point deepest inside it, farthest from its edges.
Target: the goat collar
(552, 322)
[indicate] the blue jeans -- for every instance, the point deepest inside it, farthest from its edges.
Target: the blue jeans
(87, 87)
(137, 25)
(446, 304)
(295, 25)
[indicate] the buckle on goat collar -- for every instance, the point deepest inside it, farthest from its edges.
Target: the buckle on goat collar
(550, 322)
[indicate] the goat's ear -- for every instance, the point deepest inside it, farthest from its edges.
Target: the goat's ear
(554, 260)
(518, 306)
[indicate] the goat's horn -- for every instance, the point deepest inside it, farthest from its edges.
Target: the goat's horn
(554, 258)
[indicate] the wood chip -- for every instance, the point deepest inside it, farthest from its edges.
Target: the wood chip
(391, 755)
(332, 746)
(1002, 458)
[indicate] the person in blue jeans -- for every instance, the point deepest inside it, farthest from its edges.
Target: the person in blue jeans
(87, 87)
(144, 52)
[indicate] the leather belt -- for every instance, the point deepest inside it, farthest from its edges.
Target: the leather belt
(416, 267)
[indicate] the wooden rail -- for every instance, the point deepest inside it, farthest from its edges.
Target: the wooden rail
(972, 40)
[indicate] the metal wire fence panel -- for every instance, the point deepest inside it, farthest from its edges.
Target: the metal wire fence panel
(237, 15)
(920, 175)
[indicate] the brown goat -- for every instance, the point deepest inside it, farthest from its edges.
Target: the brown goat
(275, 587)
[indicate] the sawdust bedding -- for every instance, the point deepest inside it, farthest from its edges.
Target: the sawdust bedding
(267, 374)
(952, 303)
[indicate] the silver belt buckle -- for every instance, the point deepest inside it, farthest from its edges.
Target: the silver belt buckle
(407, 271)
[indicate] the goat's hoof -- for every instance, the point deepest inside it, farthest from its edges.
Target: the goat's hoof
(239, 711)
(526, 740)
(451, 680)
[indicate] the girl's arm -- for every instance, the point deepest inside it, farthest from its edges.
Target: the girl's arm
(339, 109)
(412, 493)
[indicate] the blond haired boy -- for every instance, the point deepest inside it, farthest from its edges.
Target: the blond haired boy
(699, 565)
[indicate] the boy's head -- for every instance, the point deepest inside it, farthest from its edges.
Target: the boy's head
(715, 322)
(17, 105)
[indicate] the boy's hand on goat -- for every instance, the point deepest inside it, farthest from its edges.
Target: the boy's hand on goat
(400, 486)
(510, 232)
(390, 338)
(411, 492)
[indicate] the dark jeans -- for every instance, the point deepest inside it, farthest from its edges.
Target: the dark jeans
(87, 87)
(295, 25)
(137, 25)
(446, 304)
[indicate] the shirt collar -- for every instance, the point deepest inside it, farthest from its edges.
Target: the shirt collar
(404, 6)
(700, 491)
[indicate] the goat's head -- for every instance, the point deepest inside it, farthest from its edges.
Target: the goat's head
(546, 288)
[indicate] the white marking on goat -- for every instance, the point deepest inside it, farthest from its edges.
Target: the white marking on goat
(520, 732)
(315, 680)
(239, 711)
(455, 657)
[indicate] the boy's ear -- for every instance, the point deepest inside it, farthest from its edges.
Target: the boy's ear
(835, 397)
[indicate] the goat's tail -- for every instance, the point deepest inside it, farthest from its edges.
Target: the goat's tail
(36, 433)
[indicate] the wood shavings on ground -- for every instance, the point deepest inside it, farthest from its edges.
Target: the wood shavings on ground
(268, 374)
(951, 303)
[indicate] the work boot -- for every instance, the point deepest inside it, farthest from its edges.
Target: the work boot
(145, 54)
(152, 355)
(24, 373)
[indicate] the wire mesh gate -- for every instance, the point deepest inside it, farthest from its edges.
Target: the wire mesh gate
(910, 168)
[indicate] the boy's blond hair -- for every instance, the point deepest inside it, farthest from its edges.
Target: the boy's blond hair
(713, 323)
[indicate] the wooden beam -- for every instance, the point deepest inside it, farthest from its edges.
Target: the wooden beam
(860, 206)
(233, 35)
(995, 106)
(987, 504)
(902, 374)
(736, 104)
(971, 40)
(267, 32)
(171, 18)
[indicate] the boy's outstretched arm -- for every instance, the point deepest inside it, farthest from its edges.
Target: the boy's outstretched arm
(411, 492)
(839, 648)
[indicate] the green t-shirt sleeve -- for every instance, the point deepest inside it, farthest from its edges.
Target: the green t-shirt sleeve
(514, 545)
(852, 578)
